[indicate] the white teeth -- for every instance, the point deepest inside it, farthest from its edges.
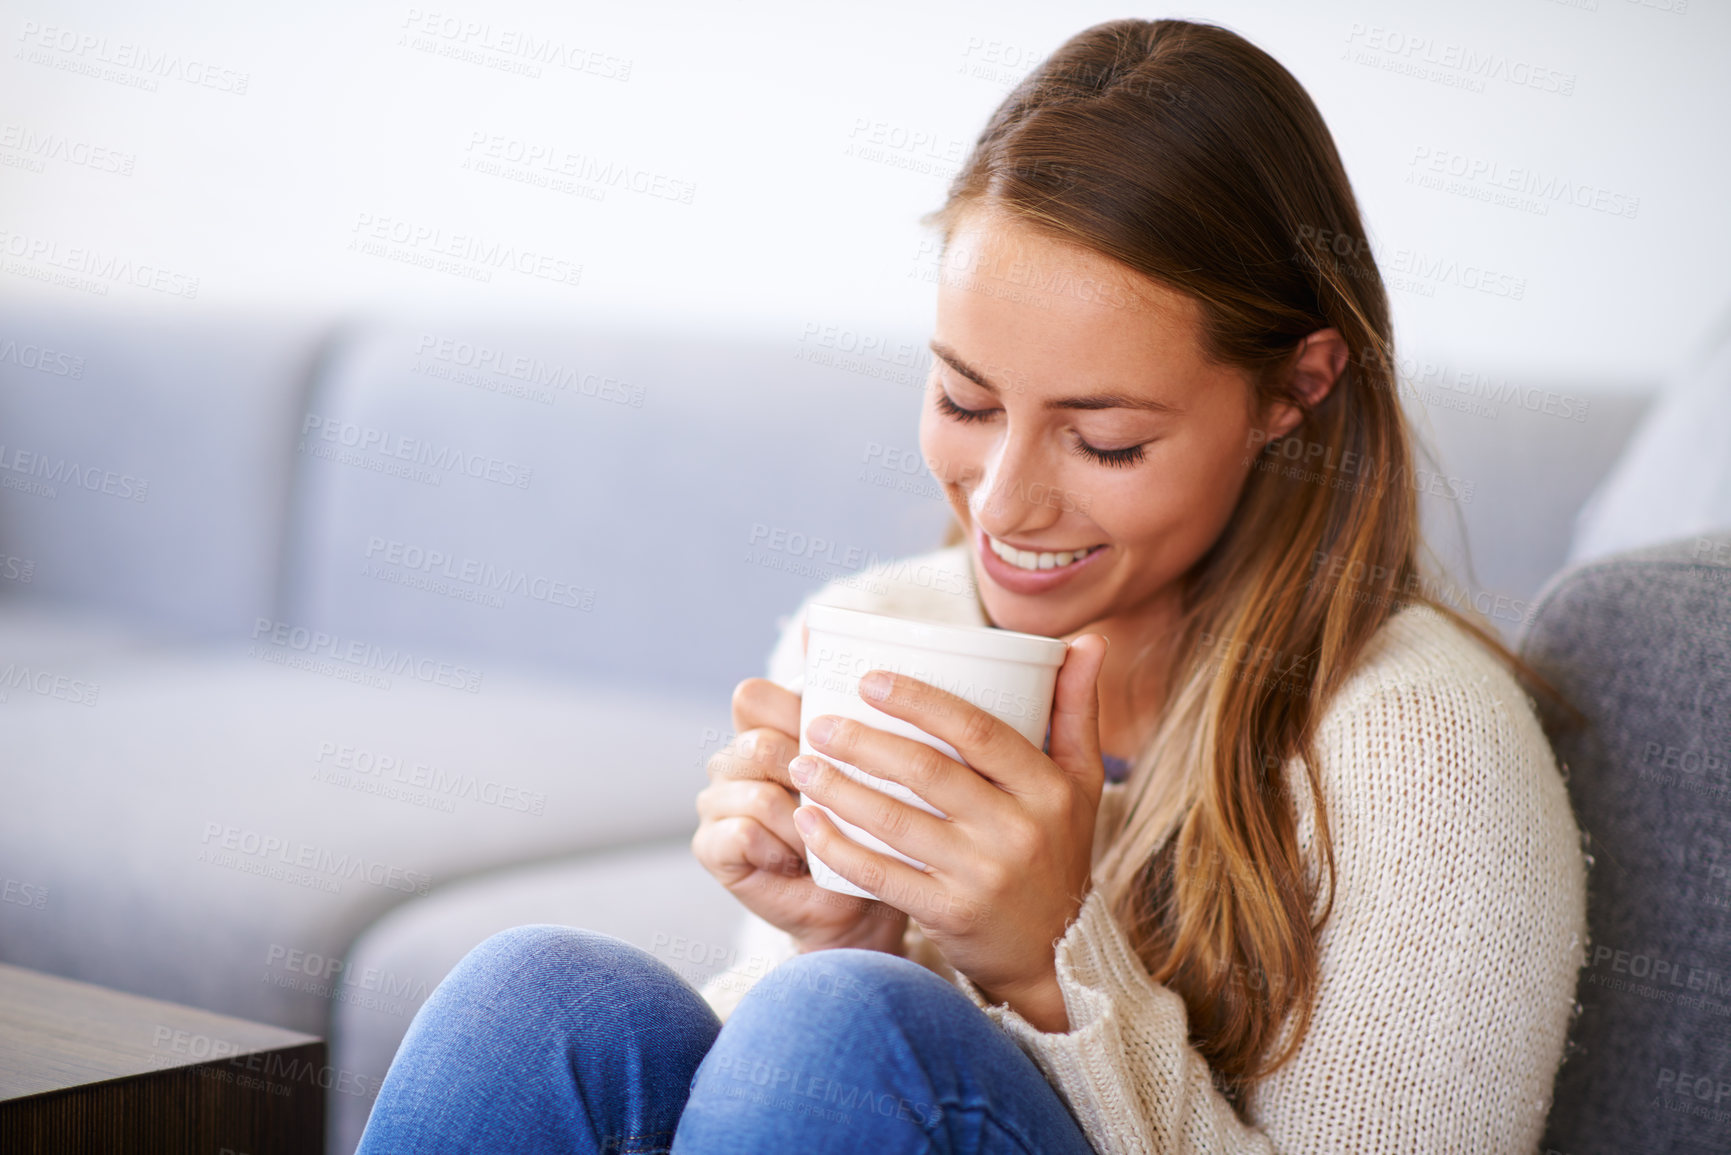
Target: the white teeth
(1027, 559)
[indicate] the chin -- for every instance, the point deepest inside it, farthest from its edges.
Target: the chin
(1024, 615)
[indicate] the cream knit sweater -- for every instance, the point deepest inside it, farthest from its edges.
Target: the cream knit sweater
(1447, 971)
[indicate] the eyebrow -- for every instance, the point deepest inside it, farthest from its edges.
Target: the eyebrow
(1089, 401)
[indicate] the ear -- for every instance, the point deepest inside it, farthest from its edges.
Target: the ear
(1316, 366)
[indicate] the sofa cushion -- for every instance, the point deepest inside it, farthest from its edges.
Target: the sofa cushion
(210, 816)
(144, 462)
(636, 507)
(1640, 642)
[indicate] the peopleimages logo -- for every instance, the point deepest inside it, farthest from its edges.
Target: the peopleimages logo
(47, 683)
(367, 439)
(540, 163)
(464, 254)
(28, 894)
(22, 146)
(171, 1043)
(506, 47)
(289, 641)
(41, 359)
(45, 254)
(1422, 271)
(222, 842)
(1515, 186)
(49, 472)
(122, 61)
(531, 370)
(376, 773)
(339, 977)
(413, 564)
(1457, 65)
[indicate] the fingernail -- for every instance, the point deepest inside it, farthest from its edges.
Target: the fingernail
(800, 770)
(821, 729)
(805, 820)
(875, 685)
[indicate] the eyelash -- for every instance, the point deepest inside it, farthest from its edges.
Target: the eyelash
(1122, 458)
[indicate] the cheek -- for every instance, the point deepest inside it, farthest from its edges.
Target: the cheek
(1182, 502)
(1225, 465)
(1130, 509)
(1206, 488)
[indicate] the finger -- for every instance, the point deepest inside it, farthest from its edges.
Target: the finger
(901, 826)
(931, 774)
(769, 804)
(760, 702)
(988, 745)
(761, 753)
(887, 879)
(734, 849)
(1075, 742)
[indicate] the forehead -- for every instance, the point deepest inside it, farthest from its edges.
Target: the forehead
(1038, 308)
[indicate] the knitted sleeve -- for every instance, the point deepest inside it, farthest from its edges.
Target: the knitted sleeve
(1446, 972)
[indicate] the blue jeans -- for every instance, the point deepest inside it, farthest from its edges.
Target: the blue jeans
(548, 1038)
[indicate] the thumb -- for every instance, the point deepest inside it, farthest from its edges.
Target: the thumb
(1075, 743)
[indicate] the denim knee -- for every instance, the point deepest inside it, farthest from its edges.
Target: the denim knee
(824, 1045)
(547, 1038)
(548, 945)
(548, 964)
(842, 1051)
(545, 946)
(853, 986)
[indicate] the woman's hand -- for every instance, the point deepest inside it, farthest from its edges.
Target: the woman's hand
(747, 840)
(1008, 869)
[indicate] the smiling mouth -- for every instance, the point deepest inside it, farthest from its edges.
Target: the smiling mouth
(1035, 561)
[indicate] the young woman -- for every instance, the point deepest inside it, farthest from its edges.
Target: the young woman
(1296, 870)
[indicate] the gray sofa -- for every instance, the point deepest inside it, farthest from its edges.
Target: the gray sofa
(1640, 643)
(328, 650)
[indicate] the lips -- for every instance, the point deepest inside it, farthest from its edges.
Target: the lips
(1034, 560)
(1032, 581)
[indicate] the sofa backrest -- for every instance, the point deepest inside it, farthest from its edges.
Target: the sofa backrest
(1513, 461)
(792, 460)
(635, 506)
(1640, 642)
(144, 463)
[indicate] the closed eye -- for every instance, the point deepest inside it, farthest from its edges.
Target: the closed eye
(1125, 457)
(1122, 458)
(950, 409)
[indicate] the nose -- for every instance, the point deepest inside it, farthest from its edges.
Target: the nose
(1006, 500)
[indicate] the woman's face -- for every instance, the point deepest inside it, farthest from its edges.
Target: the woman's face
(1091, 422)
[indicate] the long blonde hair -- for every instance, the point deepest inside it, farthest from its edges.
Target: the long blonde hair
(1192, 157)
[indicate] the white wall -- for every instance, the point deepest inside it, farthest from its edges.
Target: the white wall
(754, 107)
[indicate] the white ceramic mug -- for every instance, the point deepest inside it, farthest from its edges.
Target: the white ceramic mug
(1010, 675)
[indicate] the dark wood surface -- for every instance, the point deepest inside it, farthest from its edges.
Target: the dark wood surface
(84, 1068)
